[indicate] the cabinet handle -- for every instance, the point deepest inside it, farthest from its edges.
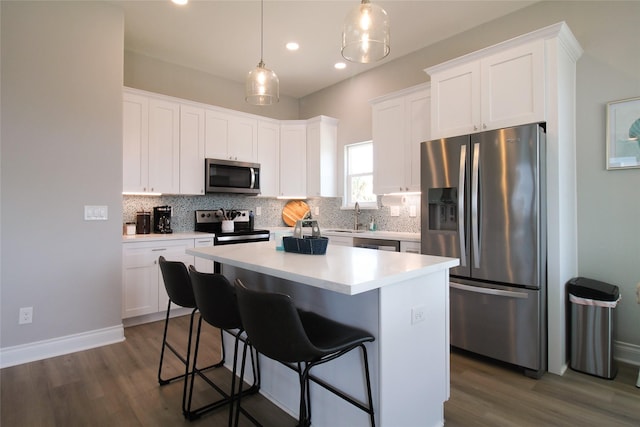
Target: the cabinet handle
(484, 126)
(158, 249)
(475, 127)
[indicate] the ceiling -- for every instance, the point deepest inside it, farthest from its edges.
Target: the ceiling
(223, 37)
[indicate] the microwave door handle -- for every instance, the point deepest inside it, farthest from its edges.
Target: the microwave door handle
(475, 230)
(253, 178)
(461, 198)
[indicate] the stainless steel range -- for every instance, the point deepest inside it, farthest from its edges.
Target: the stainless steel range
(210, 221)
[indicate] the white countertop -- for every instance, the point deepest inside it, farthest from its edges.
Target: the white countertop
(342, 269)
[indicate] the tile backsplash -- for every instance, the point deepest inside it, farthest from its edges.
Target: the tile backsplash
(330, 213)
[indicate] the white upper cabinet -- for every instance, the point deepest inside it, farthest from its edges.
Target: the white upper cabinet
(492, 91)
(269, 157)
(164, 146)
(135, 143)
(191, 150)
(322, 138)
(230, 137)
(151, 144)
(293, 159)
(400, 124)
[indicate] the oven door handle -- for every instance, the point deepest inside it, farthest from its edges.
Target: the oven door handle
(489, 291)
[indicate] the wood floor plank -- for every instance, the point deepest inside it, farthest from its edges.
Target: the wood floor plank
(117, 385)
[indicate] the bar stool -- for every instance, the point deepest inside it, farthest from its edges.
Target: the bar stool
(178, 285)
(216, 300)
(300, 340)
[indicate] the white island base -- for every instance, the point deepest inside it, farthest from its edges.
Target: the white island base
(401, 298)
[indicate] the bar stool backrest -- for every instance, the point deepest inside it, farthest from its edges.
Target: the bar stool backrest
(273, 325)
(216, 299)
(177, 282)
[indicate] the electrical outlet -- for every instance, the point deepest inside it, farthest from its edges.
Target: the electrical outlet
(26, 315)
(316, 210)
(394, 210)
(258, 210)
(413, 211)
(418, 314)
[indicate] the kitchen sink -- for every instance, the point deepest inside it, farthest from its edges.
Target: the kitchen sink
(345, 231)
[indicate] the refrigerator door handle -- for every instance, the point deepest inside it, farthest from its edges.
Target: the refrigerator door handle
(489, 291)
(461, 199)
(475, 230)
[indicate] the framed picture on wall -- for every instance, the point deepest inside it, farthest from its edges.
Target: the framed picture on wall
(623, 134)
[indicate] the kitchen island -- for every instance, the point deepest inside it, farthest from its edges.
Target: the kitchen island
(401, 298)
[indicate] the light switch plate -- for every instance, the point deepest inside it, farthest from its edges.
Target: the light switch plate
(95, 213)
(413, 211)
(395, 210)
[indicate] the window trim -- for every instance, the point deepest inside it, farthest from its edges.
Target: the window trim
(346, 203)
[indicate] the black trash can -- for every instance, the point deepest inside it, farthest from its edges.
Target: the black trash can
(592, 305)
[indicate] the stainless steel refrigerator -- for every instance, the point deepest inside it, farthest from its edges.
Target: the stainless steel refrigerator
(483, 201)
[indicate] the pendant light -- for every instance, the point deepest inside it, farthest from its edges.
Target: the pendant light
(262, 86)
(365, 34)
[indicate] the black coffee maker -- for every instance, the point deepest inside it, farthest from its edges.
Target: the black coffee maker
(162, 219)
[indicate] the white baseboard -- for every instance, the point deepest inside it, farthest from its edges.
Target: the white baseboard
(627, 353)
(24, 353)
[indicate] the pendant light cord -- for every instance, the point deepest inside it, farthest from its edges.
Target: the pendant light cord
(261, 31)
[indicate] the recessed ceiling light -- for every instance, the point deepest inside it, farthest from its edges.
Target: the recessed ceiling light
(293, 46)
(340, 65)
(180, 2)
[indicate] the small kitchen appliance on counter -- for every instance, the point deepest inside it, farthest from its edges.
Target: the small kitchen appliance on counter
(210, 221)
(162, 219)
(143, 222)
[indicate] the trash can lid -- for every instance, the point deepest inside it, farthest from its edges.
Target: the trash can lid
(593, 289)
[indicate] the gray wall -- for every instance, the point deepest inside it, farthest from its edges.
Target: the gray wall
(609, 69)
(61, 149)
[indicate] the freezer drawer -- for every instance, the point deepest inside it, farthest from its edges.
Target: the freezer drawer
(503, 323)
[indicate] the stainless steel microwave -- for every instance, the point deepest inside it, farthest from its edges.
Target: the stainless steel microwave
(230, 176)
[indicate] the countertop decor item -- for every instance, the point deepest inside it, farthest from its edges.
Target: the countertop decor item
(295, 210)
(623, 130)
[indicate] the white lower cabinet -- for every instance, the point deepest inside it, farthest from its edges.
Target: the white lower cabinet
(143, 290)
(201, 264)
(341, 241)
(411, 247)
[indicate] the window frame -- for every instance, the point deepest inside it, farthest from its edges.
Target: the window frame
(347, 203)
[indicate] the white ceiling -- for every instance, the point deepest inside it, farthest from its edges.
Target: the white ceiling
(223, 37)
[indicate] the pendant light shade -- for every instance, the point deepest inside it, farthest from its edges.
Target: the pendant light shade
(262, 86)
(365, 34)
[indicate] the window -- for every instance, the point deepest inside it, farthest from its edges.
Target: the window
(359, 175)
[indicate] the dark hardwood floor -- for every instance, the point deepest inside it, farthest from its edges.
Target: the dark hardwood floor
(116, 385)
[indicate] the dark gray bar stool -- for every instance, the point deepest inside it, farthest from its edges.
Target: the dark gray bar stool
(216, 300)
(300, 340)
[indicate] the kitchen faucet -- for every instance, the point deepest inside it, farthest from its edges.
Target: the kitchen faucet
(356, 211)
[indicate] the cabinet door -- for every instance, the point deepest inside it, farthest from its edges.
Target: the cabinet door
(418, 114)
(411, 247)
(139, 281)
(135, 143)
(321, 157)
(269, 158)
(293, 160)
(388, 146)
(191, 150)
(201, 264)
(513, 86)
(216, 135)
(243, 139)
(455, 105)
(164, 146)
